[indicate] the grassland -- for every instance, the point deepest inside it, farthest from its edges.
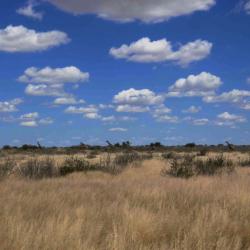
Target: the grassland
(138, 208)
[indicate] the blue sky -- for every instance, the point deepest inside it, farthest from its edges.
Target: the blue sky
(87, 71)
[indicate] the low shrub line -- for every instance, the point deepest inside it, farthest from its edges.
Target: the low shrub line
(190, 166)
(36, 168)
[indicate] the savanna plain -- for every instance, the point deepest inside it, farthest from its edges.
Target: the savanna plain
(125, 200)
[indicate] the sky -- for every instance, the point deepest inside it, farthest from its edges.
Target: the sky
(174, 71)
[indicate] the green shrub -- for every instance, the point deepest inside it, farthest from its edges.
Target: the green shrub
(74, 164)
(6, 167)
(245, 163)
(212, 166)
(38, 168)
(169, 155)
(189, 166)
(92, 155)
(121, 161)
(203, 152)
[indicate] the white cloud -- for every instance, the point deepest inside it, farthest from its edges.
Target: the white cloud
(45, 90)
(231, 117)
(46, 121)
(233, 96)
(32, 120)
(50, 82)
(92, 116)
(138, 97)
(195, 85)
(108, 118)
(29, 11)
(247, 7)
(132, 108)
(29, 124)
(52, 76)
(192, 110)
(118, 130)
(10, 106)
(29, 116)
(127, 118)
(200, 122)
(246, 105)
(161, 110)
(227, 119)
(81, 110)
(147, 51)
(106, 106)
(126, 11)
(197, 122)
(89, 112)
(67, 100)
(20, 39)
(166, 118)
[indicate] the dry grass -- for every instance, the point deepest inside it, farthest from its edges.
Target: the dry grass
(138, 209)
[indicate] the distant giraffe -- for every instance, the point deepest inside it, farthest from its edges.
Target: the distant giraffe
(39, 145)
(230, 146)
(110, 145)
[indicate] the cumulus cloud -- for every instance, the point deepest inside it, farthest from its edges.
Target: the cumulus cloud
(50, 82)
(29, 124)
(67, 100)
(132, 108)
(92, 116)
(247, 7)
(192, 110)
(21, 39)
(10, 106)
(136, 101)
(52, 76)
(231, 117)
(46, 121)
(161, 109)
(200, 122)
(29, 11)
(147, 51)
(246, 105)
(130, 10)
(29, 116)
(118, 129)
(32, 120)
(195, 85)
(108, 118)
(81, 110)
(88, 112)
(45, 90)
(233, 96)
(167, 118)
(227, 119)
(138, 97)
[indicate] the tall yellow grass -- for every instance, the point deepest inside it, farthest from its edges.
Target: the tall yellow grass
(138, 209)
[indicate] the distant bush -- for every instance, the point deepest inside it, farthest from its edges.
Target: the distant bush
(245, 163)
(189, 166)
(38, 168)
(74, 164)
(28, 147)
(169, 155)
(190, 145)
(6, 167)
(203, 152)
(6, 147)
(213, 166)
(92, 155)
(121, 161)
